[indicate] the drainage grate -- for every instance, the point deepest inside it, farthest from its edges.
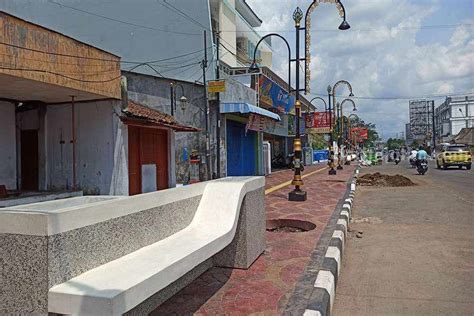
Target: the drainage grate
(289, 226)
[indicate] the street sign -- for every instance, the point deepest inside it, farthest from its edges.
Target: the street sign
(214, 86)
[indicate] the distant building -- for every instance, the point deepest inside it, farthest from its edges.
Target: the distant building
(408, 134)
(454, 114)
(421, 120)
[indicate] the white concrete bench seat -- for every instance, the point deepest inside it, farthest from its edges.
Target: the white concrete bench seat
(118, 286)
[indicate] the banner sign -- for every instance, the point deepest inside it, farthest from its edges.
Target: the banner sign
(318, 122)
(360, 133)
(214, 86)
(255, 123)
(273, 95)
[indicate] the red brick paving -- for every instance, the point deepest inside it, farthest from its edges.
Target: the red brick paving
(265, 288)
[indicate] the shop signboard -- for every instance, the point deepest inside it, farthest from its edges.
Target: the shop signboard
(273, 95)
(360, 133)
(318, 122)
(214, 86)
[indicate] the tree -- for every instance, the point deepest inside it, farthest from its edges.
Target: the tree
(394, 143)
(316, 140)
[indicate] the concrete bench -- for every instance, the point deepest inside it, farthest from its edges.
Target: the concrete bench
(122, 284)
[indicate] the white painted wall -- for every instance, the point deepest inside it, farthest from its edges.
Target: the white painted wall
(101, 152)
(7, 145)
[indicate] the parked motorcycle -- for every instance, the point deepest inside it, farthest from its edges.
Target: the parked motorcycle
(422, 166)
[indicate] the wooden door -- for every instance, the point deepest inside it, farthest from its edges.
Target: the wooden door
(154, 150)
(134, 168)
(147, 146)
(29, 160)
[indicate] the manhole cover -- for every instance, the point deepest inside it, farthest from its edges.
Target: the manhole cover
(289, 226)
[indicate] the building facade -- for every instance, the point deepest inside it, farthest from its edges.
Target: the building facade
(454, 114)
(421, 120)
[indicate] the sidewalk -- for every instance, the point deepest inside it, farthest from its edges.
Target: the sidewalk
(266, 287)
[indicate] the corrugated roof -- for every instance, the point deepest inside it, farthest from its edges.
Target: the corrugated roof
(143, 113)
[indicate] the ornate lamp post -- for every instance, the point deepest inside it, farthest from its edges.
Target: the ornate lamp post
(337, 84)
(319, 98)
(341, 128)
(298, 194)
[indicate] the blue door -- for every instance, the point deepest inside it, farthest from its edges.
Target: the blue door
(241, 150)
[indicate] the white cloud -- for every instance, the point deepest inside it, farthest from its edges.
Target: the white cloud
(379, 55)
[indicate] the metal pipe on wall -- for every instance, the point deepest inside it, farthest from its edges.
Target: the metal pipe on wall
(73, 141)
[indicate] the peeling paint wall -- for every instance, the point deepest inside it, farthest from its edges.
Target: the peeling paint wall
(102, 148)
(7, 145)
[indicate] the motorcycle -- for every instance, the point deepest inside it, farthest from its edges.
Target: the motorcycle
(397, 160)
(413, 162)
(422, 167)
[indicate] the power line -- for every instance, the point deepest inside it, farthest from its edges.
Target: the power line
(380, 29)
(60, 75)
(96, 58)
(121, 21)
(398, 97)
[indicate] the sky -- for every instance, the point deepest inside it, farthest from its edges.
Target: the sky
(394, 49)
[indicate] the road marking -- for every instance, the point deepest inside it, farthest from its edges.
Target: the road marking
(310, 312)
(287, 183)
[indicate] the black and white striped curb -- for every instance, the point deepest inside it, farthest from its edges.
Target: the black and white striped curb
(324, 291)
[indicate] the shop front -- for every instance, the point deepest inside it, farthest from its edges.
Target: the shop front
(245, 124)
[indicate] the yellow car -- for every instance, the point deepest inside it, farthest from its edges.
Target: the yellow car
(454, 155)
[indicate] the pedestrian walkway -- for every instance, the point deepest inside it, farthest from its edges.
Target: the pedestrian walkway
(269, 283)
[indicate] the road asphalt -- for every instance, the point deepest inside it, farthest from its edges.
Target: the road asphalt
(416, 254)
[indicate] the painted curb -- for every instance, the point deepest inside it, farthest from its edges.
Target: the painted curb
(324, 291)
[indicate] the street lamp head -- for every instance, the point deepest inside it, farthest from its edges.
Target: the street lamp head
(183, 101)
(297, 16)
(254, 67)
(344, 26)
(329, 89)
(351, 94)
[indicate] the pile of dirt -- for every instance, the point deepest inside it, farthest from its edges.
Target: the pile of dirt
(378, 179)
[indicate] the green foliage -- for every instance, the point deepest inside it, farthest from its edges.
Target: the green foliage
(394, 143)
(373, 136)
(316, 140)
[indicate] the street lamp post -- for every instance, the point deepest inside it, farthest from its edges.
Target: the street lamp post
(183, 99)
(341, 132)
(319, 98)
(331, 171)
(337, 84)
(297, 194)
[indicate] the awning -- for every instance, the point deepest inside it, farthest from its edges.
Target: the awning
(246, 108)
(140, 115)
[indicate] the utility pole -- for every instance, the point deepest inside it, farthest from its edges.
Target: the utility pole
(433, 123)
(218, 112)
(206, 110)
